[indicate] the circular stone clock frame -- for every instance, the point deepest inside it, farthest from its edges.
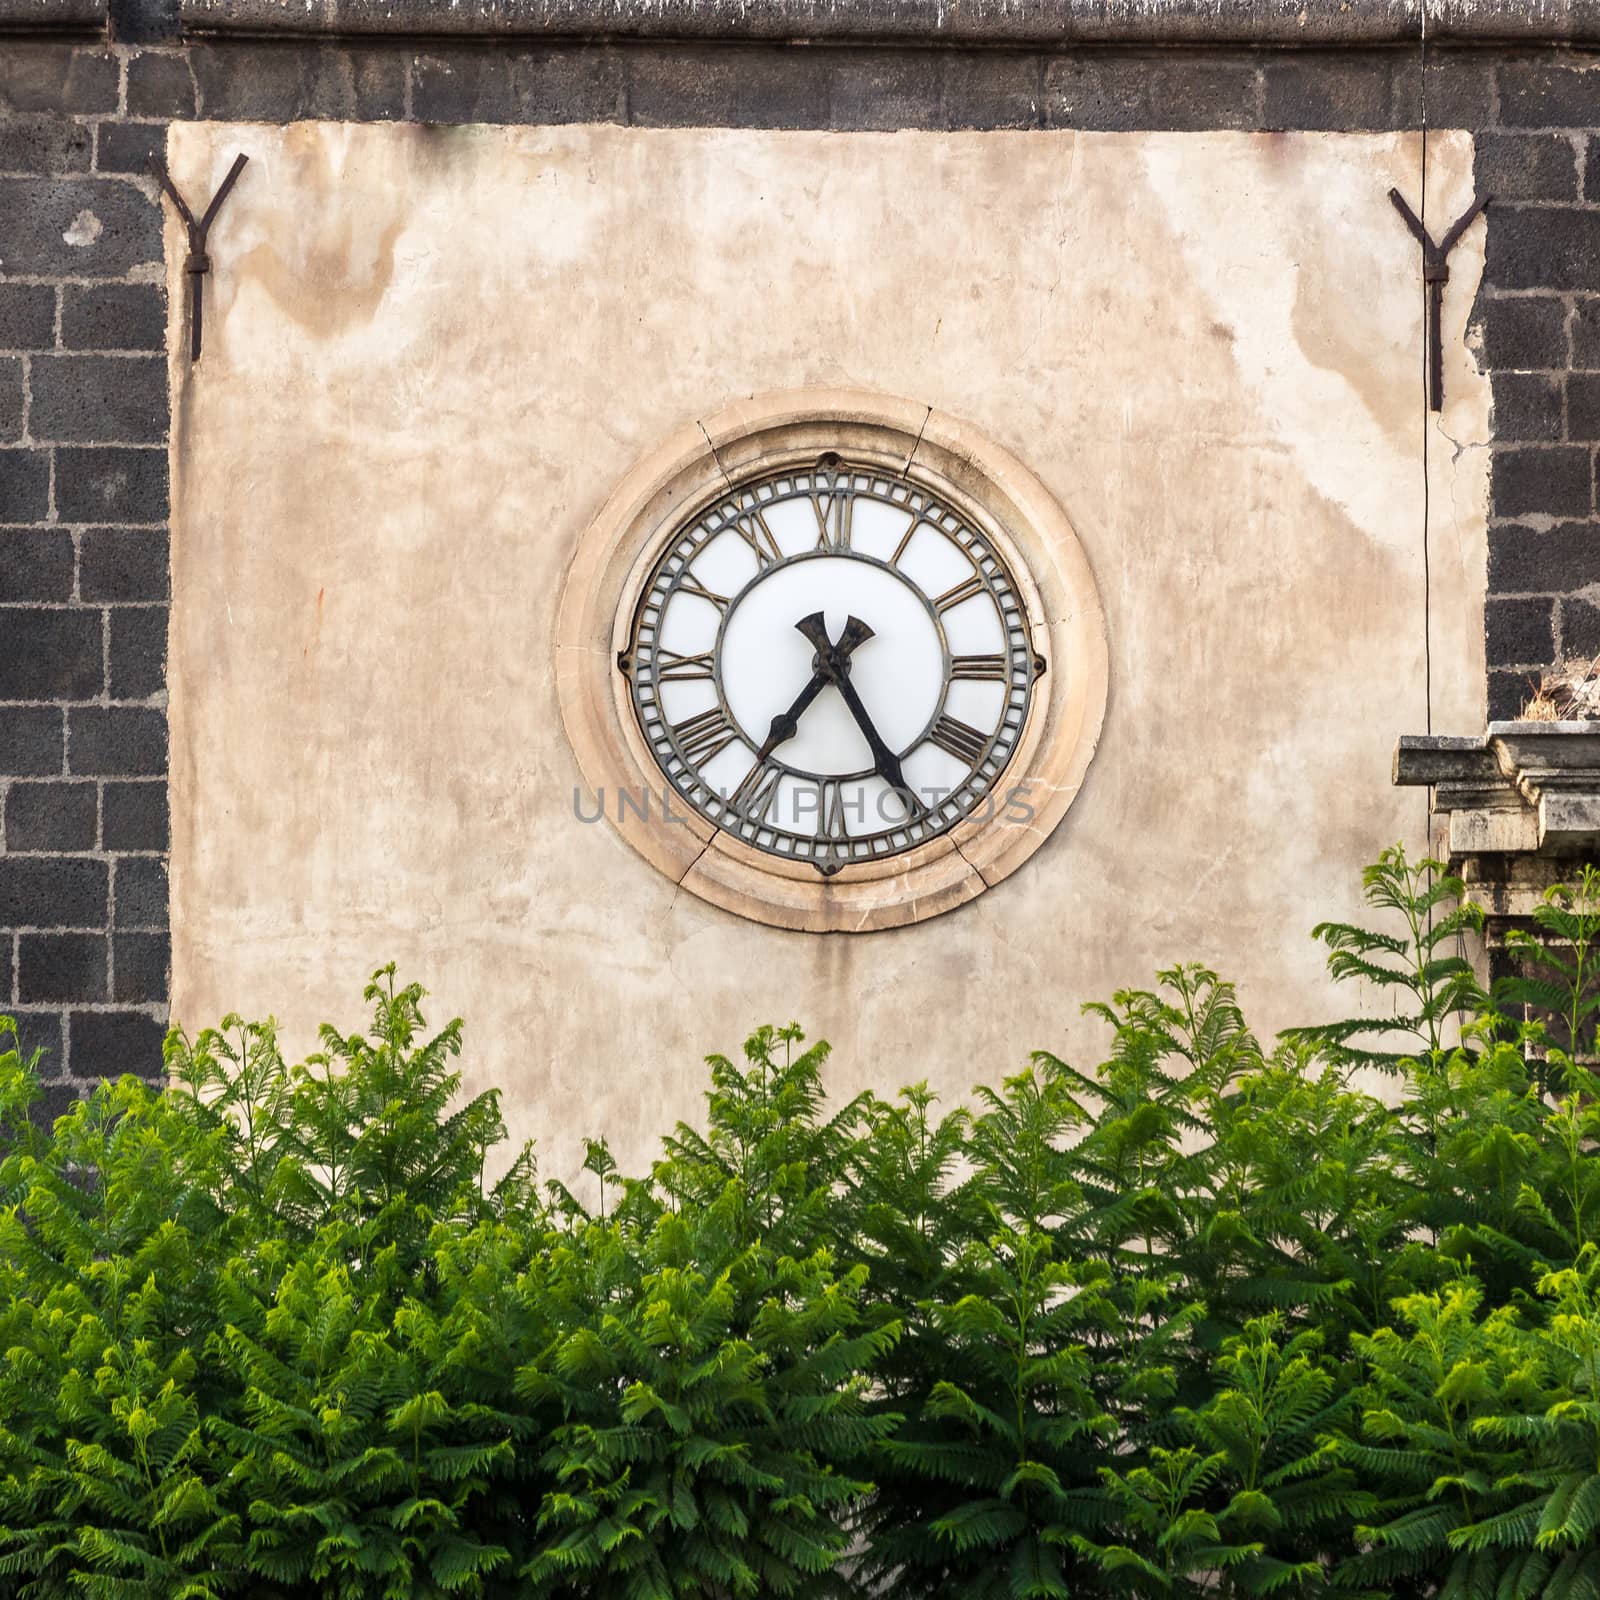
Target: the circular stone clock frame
(1002, 503)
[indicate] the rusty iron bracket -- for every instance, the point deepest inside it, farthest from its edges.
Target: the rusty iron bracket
(1436, 274)
(198, 263)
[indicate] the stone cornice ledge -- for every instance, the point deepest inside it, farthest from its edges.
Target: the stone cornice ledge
(52, 16)
(1525, 788)
(966, 22)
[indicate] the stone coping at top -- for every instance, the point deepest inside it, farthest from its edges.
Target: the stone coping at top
(964, 22)
(52, 16)
(1017, 23)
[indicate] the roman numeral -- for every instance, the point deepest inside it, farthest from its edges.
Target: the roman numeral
(905, 539)
(833, 512)
(689, 584)
(962, 591)
(753, 528)
(982, 669)
(704, 735)
(955, 738)
(830, 821)
(757, 790)
(674, 668)
(832, 834)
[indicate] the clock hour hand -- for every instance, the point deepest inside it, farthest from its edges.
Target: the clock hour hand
(831, 659)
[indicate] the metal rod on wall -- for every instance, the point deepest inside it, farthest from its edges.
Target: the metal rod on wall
(1436, 274)
(197, 263)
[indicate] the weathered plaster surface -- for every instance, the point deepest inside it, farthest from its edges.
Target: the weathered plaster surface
(431, 353)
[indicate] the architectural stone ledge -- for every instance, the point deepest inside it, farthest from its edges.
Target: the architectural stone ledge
(1521, 806)
(969, 22)
(52, 16)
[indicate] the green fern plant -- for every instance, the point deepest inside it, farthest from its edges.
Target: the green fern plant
(1205, 1319)
(1004, 1440)
(703, 1358)
(1430, 983)
(1560, 978)
(1438, 1474)
(358, 1459)
(109, 1485)
(1272, 1425)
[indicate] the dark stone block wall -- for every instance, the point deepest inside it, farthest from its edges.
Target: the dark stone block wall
(83, 407)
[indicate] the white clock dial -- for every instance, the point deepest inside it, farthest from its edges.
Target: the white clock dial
(832, 664)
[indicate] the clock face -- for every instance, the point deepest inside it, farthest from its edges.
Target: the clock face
(832, 664)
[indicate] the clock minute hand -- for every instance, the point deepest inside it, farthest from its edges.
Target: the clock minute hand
(885, 760)
(831, 659)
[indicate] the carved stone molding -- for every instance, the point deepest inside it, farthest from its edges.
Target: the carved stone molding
(1521, 807)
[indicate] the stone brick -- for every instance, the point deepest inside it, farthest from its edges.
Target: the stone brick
(77, 227)
(1558, 560)
(137, 662)
(377, 75)
(12, 403)
(116, 741)
(33, 740)
(1591, 170)
(134, 815)
(159, 85)
(144, 21)
(999, 89)
(140, 962)
(1329, 90)
(24, 485)
(1096, 91)
(123, 564)
(490, 83)
(35, 564)
(51, 816)
(56, 1098)
(289, 82)
(111, 485)
(1546, 247)
(1508, 693)
(1460, 89)
(45, 75)
(114, 316)
(1523, 332)
(1555, 481)
(1583, 405)
(127, 146)
(53, 892)
(38, 1030)
(50, 655)
(1580, 628)
(99, 397)
(1200, 92)
(766, 86)
(1526, 406)
(1545, 94)
(886, 89)
(27, 316)
(62, 966)
(1585, 331)
(1528, 166)
(45, 144)
(107, 1044)
(141, 892)
(1520, 633)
